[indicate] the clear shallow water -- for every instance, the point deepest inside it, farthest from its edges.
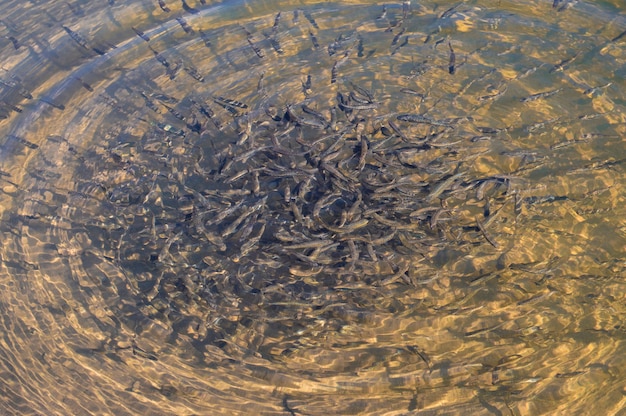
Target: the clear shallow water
(170, 248)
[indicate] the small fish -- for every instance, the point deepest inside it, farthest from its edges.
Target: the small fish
(306, 85)
(163, 6)
(141, 34)
(23, 141)
(255, 48)
(160, 58)
(20, 90)
(16, 44)
(189, 9)
(310, 19)
(383, 14)
(314, 41)
(276, 23)
(165, 98)
(174, 112)
(12, 107)
(451, 68)
(333, 73)
(418, 118)
(618, 37)
(151, 104)
(205, 38)
(485, 234)
(183, 23)
(563, 64)
(76, 37)
(52, 103)
(230, 102)
(194, 73)
(396, 38)
(593, 90)
(276, 45)
(537, 96)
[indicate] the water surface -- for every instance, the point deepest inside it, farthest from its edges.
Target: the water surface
(283, 207)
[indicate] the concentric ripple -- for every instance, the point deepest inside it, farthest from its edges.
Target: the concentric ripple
(291, 207)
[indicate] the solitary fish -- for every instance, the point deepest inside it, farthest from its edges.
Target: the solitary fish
(451, 68)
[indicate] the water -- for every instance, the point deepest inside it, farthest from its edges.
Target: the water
(172, 243)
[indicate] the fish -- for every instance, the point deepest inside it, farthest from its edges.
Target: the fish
(76, 37)
(255, 48)
(205, 38)
(314, 41)
(183, 23)
(20, 90)
(618, 37)
(160, 58)
(15, 42)
(141, 34)
(276, 23)
(418, 118)
(537, 96)
(230, 102)
(188, 8)
(151, 104)
(193, 72)
(451, 64)
(564, 63)
(396, 38)
(52, 103)
(309, 17)
(163, 6)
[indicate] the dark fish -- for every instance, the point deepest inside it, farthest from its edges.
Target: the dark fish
(451, 68)
(397, 37)
(194, 73)
(276, 22)
(316, 44)
(418, 118)
(230, 102)
(141, 34)
(537, 96)
(160, 58)
(183, 23)
(23, 141)
(618, 37)
(310, 19)
(205, 38)
(383, 14)
(563, 64)
(163, 6)
(189, 9)
(76, 37)
(404, 43)
(151, 104)
(174, 112)
(20, 90)
(165, 98)
(255, 48)
(359, 47)
(12, 107)
(333, 73)
(276, 45)
(16, 44)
